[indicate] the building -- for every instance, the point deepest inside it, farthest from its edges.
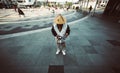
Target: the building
(103, 3)
(5, 3)
(113, 8)
(25, 3)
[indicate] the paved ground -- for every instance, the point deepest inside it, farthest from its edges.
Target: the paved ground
(92, 47)
(11, 15)
(28, 24)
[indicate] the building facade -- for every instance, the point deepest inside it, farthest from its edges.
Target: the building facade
(113, 8)
(5, 3)
(26, 2)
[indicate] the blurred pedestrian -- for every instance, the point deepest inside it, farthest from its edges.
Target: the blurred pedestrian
(68, 7)
(53, 11)
(21, 13)
(60, 30)
(15, 7)
(90, 8)
(77, 8)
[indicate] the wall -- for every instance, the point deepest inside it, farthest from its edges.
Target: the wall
(113, 8)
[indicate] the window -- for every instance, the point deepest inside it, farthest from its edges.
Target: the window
(21, 1)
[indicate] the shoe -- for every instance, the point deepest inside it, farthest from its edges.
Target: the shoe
(57, 52)
(63, 52)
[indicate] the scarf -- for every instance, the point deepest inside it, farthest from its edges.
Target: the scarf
(62, 32)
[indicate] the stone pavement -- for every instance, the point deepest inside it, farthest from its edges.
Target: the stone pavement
(6, 12)
(11, 15)
(9, 27)
(92, 47)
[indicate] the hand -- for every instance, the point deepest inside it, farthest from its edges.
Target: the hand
(66, 35)
(58, 37)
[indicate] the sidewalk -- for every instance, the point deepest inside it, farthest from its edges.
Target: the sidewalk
(6, 12)
(11, 15)
(34, 23)
(92, 47)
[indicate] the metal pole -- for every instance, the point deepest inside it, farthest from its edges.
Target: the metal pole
(82, 5)
(95, 7)
(87, 4)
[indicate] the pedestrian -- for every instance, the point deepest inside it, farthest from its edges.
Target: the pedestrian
(60, 30)
(53, 11)
(21, 13)
(77, 8)
(90, 8)
(15, 7)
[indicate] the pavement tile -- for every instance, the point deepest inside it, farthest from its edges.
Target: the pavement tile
(56, 69)
(97, 60)
(72, 69)
(70, 60)
(95, 69)
(90, 50)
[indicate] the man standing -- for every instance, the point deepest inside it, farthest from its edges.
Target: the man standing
(60, 30)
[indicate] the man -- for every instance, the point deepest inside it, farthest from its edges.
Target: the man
(90, 8)
(21, 13)
(60, 30)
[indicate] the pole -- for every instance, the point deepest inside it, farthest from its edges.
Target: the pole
(95, 8)
(82, 5)
(87, 4)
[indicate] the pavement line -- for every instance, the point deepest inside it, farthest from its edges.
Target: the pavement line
(32, 20)
(36, 31)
